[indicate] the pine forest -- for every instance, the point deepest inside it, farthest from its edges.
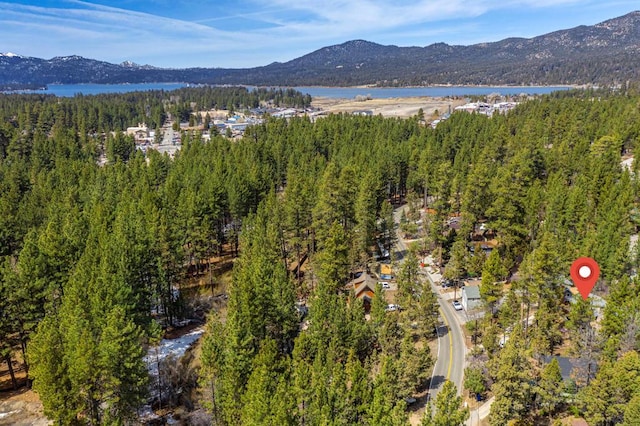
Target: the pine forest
(260, 240)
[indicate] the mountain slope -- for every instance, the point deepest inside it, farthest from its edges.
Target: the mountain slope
(605, 53)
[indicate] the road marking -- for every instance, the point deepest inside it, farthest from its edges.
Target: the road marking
(450, 343)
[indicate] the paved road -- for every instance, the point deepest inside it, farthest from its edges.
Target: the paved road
(452, 350)
(451, 353)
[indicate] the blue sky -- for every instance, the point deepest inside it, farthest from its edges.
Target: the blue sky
(247, 33)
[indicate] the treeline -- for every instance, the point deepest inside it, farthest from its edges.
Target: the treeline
(545, 181)
(90, 251)
(112, 112)
(234, 98)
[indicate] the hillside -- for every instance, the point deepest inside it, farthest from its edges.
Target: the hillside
(605, 53)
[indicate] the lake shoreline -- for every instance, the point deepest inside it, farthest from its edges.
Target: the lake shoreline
(334, 92)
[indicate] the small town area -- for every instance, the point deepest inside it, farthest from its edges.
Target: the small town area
(233, 124)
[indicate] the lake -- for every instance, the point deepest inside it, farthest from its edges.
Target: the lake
(434, 91)
(67, 90)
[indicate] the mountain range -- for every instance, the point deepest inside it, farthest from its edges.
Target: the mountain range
(605, 53)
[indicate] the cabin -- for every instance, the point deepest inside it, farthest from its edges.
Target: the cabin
(471, 298)
(363, 287)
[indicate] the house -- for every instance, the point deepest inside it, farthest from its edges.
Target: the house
(471, 298)
(285, 113)
(573, 369)
(238, 127)
(365, 291)
(140, 132)
(571, 295)
(485, 246)
(363, 287)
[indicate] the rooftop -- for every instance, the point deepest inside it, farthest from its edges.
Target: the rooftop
(472, 292)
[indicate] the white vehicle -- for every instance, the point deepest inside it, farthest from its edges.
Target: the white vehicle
(457, 305)
(385, 285)
(392, 308)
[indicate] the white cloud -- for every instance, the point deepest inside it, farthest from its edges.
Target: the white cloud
(288, 28)
(87, 29)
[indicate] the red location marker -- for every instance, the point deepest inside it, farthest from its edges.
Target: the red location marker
(584, 273)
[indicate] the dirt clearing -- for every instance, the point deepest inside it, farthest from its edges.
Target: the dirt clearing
(392, 107)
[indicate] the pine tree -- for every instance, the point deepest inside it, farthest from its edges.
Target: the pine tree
(333, 258)
(632, 412)
(456, 267)
(427, 311)
(262, 386)
(490, 287)
(51, 374)
(365, 216)
(474, 381)
(448, 408)
(549, 388)
(387, 226)
(359, 390)
(213, 361)
(416, 365)
(408, 281)
(512, 388)
(378, 307)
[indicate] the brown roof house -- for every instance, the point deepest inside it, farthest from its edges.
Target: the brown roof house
(364, 289)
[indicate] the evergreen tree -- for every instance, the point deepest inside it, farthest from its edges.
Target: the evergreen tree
(549, 388)
(632, 412)
(448, 408)
(490, 287)
(512, 388)
(408, 281)
(333, 258)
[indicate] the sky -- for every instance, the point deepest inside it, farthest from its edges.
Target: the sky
(248, 33)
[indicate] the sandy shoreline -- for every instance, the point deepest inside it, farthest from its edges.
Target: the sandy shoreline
(497, 86)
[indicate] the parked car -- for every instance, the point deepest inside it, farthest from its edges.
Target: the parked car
(385, 285)
(457, 305)
(392, 308)
(447, 283)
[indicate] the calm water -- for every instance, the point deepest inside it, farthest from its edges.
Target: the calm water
(440, 91)
(67, 90)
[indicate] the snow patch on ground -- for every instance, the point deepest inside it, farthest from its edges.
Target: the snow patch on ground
(3, 415)
(171, 347)
(168, 347)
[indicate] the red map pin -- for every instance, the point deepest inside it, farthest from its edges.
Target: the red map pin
(584, 273)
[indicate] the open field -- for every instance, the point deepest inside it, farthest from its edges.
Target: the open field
(392, 107)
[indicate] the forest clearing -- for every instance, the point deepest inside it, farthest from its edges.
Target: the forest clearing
(395, 107)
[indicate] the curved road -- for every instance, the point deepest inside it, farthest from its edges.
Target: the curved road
(452, 351)
(450, 361)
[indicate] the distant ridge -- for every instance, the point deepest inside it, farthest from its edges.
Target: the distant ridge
(605, 53)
